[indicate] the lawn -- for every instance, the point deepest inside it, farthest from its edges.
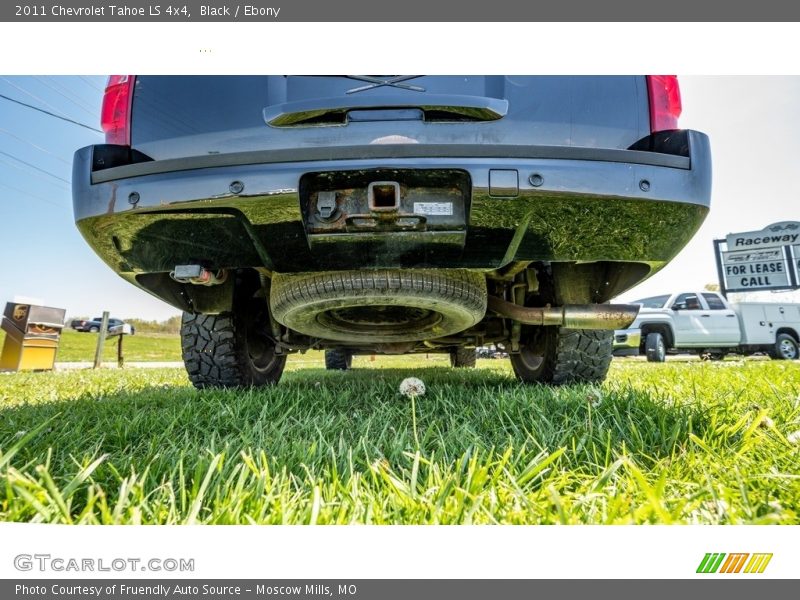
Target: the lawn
(687, 442)
(80, 347)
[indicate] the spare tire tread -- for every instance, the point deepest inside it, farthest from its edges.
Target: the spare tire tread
(460, 293)
(315, 286)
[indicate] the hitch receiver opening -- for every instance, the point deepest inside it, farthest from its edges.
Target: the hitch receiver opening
(383, 195)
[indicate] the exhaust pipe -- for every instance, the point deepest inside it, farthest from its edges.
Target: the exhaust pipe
(573, 316)
(198, 275)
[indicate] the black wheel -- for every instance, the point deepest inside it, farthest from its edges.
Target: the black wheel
(654, 347)
(379, 306)
(557, 355)
(462, 358)
(785, 348)
(338, 359)
(94, 329)
(231, 350)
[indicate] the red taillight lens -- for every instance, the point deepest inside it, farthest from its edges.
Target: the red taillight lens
(115, 116)
(665, 102)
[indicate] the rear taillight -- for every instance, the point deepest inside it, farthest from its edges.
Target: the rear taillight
(665, 102)
(115, 116)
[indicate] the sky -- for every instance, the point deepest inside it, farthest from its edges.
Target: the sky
(752, 122)
(42, 254)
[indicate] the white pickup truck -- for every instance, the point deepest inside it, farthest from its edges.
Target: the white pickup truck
(707, 324)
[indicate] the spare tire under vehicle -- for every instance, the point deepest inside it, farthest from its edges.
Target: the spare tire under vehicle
(381, 306)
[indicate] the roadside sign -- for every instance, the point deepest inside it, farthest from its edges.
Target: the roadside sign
(796, 261)
(758, 269)
(776, 235)
(768, 259)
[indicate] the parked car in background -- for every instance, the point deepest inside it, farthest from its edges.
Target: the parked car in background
(365, 214)
(707, 324)
(490, 351)
(93, 325)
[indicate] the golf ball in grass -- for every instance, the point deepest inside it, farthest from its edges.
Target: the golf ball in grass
(412, 387)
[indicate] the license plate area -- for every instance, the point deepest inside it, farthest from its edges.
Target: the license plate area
(396, 213)
(385, 200)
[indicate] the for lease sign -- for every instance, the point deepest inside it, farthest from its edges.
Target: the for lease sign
(762, 260)
(755, 269)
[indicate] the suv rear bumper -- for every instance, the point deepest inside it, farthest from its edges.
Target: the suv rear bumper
(569, 204)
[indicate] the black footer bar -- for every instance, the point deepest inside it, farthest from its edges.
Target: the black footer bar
(731, 587)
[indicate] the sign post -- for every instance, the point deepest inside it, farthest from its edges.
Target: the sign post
(101, 341)
(120, 331)
(760, 260)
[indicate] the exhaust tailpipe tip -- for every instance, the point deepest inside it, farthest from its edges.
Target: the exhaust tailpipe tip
(573, 316)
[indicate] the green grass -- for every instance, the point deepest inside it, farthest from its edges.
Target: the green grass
(80, 347)
(669, 443)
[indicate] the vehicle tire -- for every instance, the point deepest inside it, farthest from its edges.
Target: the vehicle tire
(94, 330)
(785, 348)
(230, 350)
(462, 358)
(381, 306)
(655, 348)
(557, 355)
(338, 359)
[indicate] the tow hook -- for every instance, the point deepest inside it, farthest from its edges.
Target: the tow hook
(198, 275)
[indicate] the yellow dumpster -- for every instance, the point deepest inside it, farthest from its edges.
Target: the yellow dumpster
(32, 335)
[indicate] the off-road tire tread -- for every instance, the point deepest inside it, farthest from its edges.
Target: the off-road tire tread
(579, 356)
(214, 354)
(462, 358)
(338, 359)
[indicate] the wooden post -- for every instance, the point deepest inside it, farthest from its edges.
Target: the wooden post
(101, 340)
(120, 358)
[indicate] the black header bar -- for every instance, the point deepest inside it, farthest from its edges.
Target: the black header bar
(401, 11)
